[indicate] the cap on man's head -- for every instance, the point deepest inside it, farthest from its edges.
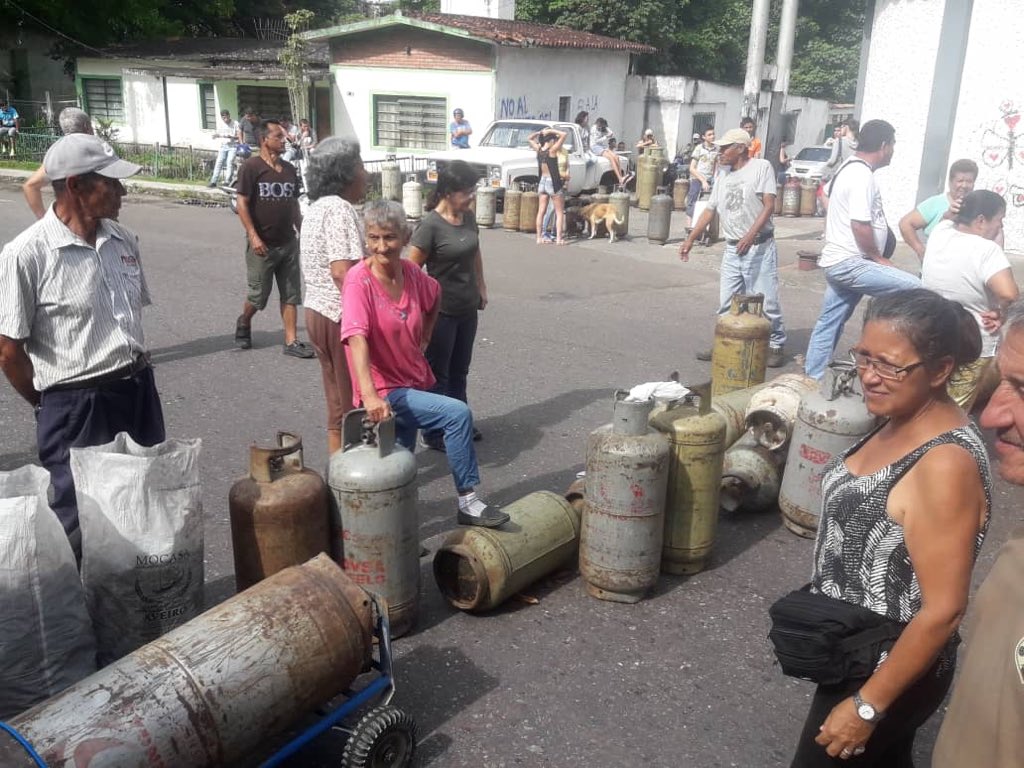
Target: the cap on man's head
(696, 135)
(80, 153)
(457, 112)
(649, 132)
(734, 136)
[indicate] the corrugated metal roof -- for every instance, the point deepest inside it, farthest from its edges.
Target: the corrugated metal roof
(214, 51)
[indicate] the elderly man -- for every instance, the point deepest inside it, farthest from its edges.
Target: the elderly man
(71, 297)
(268, 207)
(858, 244)
(933, 210)
(744, 197)
(986, 712)
(71, 120)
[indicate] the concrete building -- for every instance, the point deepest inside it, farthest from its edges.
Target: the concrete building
(949, 95)
(398, 78)
(172, 92)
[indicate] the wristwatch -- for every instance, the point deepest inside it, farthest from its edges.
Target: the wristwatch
(865, 711)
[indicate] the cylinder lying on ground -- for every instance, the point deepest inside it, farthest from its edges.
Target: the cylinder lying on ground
(210, 692)
(751, 475)
(479, 568)
(772, 410)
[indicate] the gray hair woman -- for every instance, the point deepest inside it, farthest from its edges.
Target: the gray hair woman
(331, 242)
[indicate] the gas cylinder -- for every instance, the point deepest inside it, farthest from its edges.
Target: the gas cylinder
(778, 199)
(624, 514)
(791, 197)
(390, 179)
(528, 211)
(279, 513)
(619, 201)
(808, 197)
(680, 190)
(740, 351)
(751, 475)
(647, 184)
(477, 569)
(486, 198)
(600, 197)
(373, 483)
(510, 211)
(412, 198)
(696, 437)
(732, 406)
(772, 410)
(212, 691)
(659, 220)
(828, 422)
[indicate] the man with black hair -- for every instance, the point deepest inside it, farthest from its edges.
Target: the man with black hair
(858, 244)
(268, 207)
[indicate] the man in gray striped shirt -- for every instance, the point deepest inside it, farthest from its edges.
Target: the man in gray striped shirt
(71, 296)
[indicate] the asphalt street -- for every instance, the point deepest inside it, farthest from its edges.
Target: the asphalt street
(683, 679)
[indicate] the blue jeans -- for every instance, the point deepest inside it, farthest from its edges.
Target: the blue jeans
(691, 197)
(415, 409)
(224, 157)
(756, 271)
(849, 281)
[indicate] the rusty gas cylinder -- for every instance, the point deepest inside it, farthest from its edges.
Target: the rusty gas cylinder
(373, 482)
(624, 513)
(477, 569)
(279, 513)
(808, 196)
(791, 197)
(739, 355)
(510, 208)
(732, 406)
(212, 691)
(772, 410)
(751, 476)
(528, 207)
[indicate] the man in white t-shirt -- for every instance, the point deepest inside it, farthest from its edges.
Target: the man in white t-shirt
(227, 133)
(744, 197)
(855, 257)
(964, 263)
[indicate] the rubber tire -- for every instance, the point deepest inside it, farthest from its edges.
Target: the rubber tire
(384, 737)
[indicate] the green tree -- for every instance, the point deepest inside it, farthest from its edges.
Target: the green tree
(293, 58)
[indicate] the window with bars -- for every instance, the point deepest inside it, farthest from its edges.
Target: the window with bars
(702, 121)
(417, 122)
(269, 102)
(208, 105)
(103, 98)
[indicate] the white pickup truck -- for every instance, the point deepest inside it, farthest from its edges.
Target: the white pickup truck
(503, 156)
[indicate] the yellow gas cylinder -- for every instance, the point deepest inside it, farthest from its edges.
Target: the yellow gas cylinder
(791, 197)
(740, 351)
(778, 199)
(528, 211)
(510, 211)
(696, 437)
(647, 184)
(680, 190)
(808, 197)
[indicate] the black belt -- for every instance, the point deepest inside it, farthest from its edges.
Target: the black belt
(140, 364)
(763, 237)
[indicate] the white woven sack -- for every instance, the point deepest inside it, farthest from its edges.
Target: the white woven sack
(46, 640)
(142, 539)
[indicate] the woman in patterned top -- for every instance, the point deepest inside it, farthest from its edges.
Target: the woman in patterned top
(904, 513)
(331, 243)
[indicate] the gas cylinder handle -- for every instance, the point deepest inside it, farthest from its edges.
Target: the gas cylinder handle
(701, 393)
(742, 301)
(841, 376)
(268, 464)
(357, 429)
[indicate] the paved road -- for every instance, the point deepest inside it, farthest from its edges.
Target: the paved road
(683, 679)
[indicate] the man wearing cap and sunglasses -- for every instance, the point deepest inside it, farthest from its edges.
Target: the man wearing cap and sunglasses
(744, 196)
(71, 297)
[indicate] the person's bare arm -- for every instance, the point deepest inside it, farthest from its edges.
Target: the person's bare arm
(377, 408)
(698, 229)
(296, 216)
(1002, 290)
(909, 226)
(255, 241)
(17, 367)
(429, 323)
(481, 284)
(339, 269)
(417, 256)
(941, 502)
(32, 189)
(864, 235)
(559, 142)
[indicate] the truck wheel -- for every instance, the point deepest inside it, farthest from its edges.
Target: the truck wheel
(384, 737)
(609, 180)
(527, 181)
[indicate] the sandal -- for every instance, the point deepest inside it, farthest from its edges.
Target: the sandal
(243, 334)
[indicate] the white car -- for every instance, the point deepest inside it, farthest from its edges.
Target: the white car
(503, 157)
(810, 162)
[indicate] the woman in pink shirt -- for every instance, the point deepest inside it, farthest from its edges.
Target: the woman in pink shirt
(391, 307)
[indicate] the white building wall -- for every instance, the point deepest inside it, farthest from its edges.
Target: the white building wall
(898, 88)
(356, 86)
(667, 105)
(990, 107)
(530, 82)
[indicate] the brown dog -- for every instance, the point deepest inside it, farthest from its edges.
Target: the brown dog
(597, 213)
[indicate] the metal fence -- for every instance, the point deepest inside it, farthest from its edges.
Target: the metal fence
(41, 116)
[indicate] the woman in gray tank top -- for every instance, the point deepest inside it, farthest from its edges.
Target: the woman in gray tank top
(904, 513)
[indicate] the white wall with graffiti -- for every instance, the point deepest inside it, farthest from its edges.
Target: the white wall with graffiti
(556, 83)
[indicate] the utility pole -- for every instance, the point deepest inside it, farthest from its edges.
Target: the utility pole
(775, 132)
(755, 56)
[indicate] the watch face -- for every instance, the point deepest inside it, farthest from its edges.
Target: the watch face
(866, 712)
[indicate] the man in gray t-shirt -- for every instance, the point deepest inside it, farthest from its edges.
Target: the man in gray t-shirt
(744, 196)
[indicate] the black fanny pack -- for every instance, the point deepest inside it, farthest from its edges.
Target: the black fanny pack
(827, 641)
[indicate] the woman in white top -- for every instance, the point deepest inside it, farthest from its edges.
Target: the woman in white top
(963, 262)
(331, 243)
(602, 142)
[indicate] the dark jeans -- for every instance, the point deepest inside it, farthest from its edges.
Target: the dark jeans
(93, 416)
(451, 351)
(892, 743)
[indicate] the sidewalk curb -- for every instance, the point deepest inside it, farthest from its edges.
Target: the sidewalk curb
(157, 188)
